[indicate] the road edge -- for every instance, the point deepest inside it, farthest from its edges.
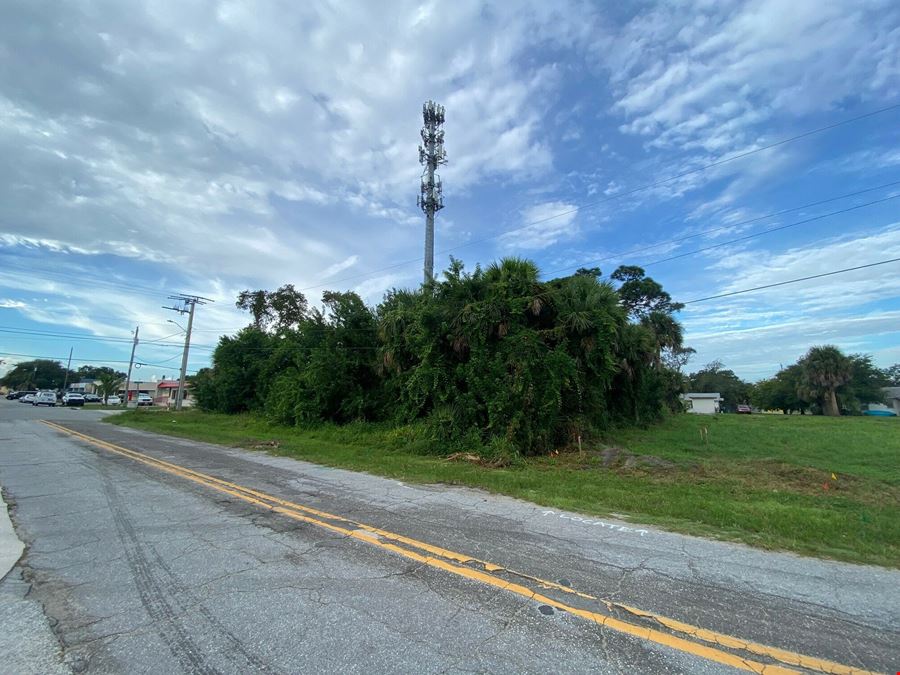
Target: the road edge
(11, 547)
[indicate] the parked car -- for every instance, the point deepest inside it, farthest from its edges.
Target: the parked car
(47, 398)
(72, 398)
(144, 399)
(27, 397)
(92, 398)
(13, 395)
(744, 409)
(113, 400)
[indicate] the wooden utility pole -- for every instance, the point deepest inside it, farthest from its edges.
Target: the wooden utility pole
(189, 304)
(134, 345)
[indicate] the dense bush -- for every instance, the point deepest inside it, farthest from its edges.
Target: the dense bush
(494, 361)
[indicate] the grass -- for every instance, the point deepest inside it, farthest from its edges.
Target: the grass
(765, 480)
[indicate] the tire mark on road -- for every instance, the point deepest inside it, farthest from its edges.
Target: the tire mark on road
(234, 643)
(153, 598)
(183, 597)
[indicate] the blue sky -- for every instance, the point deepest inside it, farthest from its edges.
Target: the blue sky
(207, 147)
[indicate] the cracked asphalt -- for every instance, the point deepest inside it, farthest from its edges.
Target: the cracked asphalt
(131, 569)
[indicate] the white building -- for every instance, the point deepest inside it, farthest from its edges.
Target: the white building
(701, 404)
(88, 387)
(891, 400)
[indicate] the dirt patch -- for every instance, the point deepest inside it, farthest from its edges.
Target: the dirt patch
(617, 458)
(260, 445)
(778, 476)
(496, 463)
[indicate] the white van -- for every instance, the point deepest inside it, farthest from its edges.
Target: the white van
(45, 398)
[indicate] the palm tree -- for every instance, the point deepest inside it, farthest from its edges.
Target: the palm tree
(109, 384)
(824, 370)
(667, 332)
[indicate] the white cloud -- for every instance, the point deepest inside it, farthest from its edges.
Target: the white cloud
(543, 225)
(705, 75)
(171, 136)
(347, 263)
(754, 332)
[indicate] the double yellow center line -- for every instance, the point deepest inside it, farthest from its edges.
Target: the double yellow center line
(703, 643)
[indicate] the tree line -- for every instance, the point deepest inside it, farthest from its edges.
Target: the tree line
(824, 381)
(493, 360)
(47, 374)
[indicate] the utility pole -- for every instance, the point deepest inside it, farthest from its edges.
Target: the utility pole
(431, 197)
(68, 366)
(134, 345)
(189, 304)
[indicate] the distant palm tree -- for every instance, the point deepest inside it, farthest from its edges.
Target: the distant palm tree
(667, 332)
(109, 384)
(824, 370)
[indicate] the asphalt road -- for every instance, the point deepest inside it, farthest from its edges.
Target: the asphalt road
(234, 561)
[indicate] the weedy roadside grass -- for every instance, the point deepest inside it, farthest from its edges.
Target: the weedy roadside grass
(827, 487)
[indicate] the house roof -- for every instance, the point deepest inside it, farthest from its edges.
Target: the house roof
(169, 384)
(702, 395)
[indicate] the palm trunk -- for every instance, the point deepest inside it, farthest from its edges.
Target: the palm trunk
(831, 404)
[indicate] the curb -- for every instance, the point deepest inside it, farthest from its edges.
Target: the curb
(11, 547)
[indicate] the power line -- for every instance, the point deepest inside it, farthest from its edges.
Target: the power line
(792, 281)
(27, 332)
(633, 251)
(729, 226)
(636, 190)
(689, 302)
(95, 281)
(159, 340)
(770, 230)
(678, 240)
(63, 358)
(688, 253)
(160, 363)
(91, 361)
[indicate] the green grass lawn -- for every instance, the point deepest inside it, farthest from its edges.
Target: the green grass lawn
(761, 479)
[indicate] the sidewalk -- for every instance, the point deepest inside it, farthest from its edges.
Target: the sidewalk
(11, 547)
(27, 644)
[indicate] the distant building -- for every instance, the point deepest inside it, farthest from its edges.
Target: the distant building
(84, 387)
(891, 400)
(167, 394)
(138, 387)
(701, 403)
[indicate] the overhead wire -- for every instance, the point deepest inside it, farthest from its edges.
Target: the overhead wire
(805, 221)
(26, 332)
(730, 226)
(791, 281)
(720, 228)
(688, 302)
(159, 342)
(89, 281)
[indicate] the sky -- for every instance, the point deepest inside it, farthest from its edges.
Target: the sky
(155, 147)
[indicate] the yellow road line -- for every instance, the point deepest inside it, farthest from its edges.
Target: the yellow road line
(363, 532)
